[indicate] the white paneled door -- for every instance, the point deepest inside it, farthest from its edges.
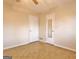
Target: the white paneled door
(50, 28)
(33, 28)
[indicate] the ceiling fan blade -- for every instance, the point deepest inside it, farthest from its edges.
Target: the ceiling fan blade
(35, 1)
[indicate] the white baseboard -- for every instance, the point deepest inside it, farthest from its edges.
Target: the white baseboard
(65, 47)
(53, 43)
(18, 45)
(41, 41)
(14, 46)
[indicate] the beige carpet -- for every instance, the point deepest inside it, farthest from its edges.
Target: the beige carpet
(39, 50)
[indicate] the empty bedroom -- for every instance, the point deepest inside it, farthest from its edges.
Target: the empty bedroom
(39, 29)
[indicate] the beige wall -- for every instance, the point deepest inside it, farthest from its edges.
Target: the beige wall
(64, 26)
(15, 27)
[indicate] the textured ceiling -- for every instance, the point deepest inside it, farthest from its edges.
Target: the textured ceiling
(43, 5)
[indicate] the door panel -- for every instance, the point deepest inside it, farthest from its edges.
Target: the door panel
(50, 21)
(33, 28)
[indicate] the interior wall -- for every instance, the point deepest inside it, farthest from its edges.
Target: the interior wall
(42, 27)
(15, 27)
(64, 26)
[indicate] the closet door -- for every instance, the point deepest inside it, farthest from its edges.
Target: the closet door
(50, 27)
(33, 28)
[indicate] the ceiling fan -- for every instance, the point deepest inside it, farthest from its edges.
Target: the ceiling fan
(34, 1)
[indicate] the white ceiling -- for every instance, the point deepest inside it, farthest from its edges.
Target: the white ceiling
(43, 5)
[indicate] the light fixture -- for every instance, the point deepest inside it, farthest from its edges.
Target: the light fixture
(17, 0)
(35, 2)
